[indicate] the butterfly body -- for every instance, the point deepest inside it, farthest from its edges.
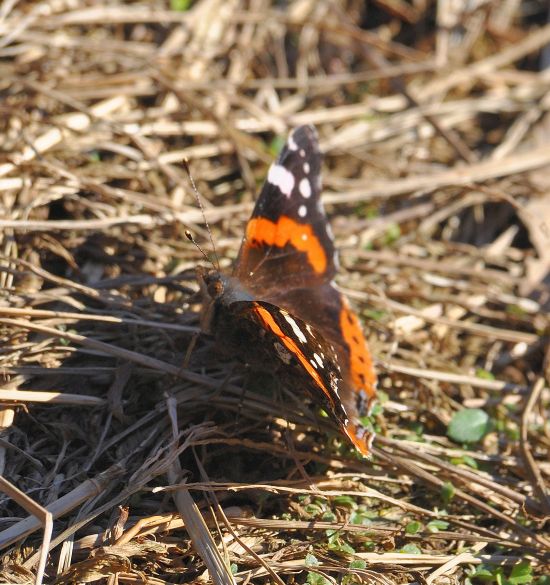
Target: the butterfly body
(280, 309)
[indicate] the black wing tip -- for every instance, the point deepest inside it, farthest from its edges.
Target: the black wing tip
(302, 143)
(304, 136)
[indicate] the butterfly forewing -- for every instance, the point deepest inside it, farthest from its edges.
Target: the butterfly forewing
(287, 242)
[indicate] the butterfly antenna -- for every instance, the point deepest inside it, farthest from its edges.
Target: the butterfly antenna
(190, 237)
(188, 234)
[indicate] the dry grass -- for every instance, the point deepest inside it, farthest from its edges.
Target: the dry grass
(157, 466)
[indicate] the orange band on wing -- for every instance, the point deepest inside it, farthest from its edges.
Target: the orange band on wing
(289, 343)
(362, 371)
(287, 231)
(360, 437)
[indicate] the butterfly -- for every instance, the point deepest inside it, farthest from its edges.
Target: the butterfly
(280, 310)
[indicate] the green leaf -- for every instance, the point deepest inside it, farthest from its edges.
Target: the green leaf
(316, 579)
(410, 549)
(465, 460)
(366, 421)
(360, 517)
(376, 409)
(336, 543)
(483, 573)
(180, 5)
(484, 374)
(341, 546)
(382, 396)
(358, 564)
(316, 508)
(512, 433)
(311, 560)
(417, 428)
(447, 492)
(413, 527)
(437, 525)
(374, 314)
(347, 501)
(233, 567)
(372, 212)
(276, 145)
(470, 461)
(468, 425)
(515, 310)
(393, 233)
(313, 510)
(522, 572)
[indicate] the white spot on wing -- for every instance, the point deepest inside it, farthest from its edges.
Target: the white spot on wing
(281, 178)
(334, 387)
(284, 355)
(302, 152)
(313, 363)
(295, 329)
(304, 237)
(291, 143)
(318, 359)
(306, 168)
(302, 211)
(305, 188)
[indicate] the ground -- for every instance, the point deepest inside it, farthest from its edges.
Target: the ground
(434, 122)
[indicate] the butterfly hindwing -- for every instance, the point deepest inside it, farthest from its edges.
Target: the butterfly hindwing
(307, 356)
(338, 324)
(287, 242)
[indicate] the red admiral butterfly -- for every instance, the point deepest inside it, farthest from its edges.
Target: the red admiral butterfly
(280, 310)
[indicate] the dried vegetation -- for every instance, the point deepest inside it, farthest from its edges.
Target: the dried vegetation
(149, 463)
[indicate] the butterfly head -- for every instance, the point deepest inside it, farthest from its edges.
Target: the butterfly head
(212, 281)
(220, 288)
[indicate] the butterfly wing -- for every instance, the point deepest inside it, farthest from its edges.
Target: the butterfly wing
(287, 260)
(309, 358)
(329, 311)
(287, 243)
